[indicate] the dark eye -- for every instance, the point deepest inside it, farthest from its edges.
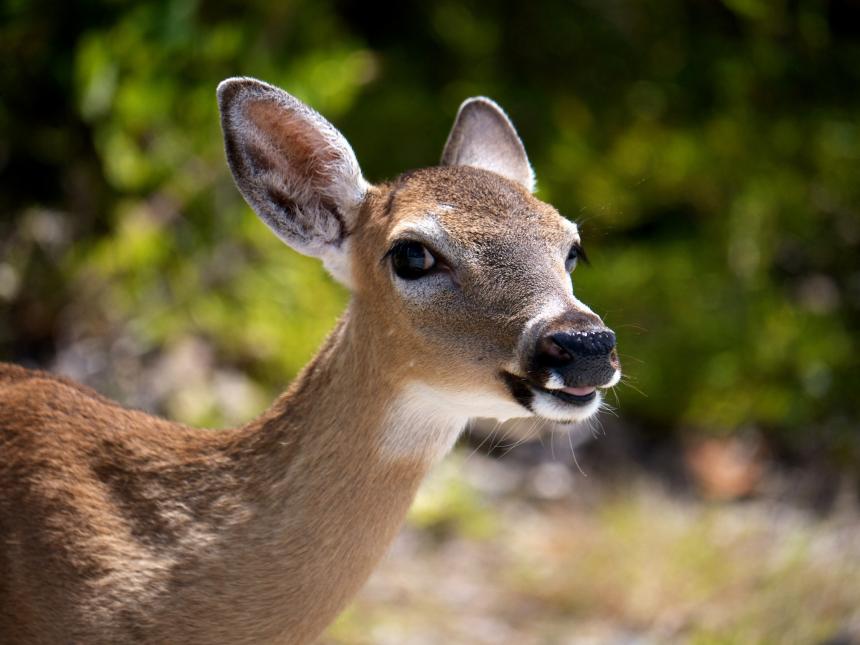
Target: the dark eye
(576, 253)
(411, 260)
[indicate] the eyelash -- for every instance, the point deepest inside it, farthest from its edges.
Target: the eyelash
(580, 254)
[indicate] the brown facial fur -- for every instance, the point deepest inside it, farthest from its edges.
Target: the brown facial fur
(506, 248)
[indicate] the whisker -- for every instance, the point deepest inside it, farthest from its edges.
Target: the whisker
(627, 383)
(483, 441)
(573, 454)
(528, 436)
(635, 326)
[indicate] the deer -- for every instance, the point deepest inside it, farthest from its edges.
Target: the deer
(117, 526)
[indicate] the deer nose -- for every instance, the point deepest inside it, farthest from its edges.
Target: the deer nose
(560, 349)
(581, 358)
(594, 342)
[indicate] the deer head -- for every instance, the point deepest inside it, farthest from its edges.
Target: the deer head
(458, 272)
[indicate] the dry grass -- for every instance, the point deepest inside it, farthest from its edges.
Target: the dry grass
(487, 558)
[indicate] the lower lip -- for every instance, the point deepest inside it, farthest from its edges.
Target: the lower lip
(567, 396)
(578, 391)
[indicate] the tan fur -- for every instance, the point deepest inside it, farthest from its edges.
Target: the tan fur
(120, 527)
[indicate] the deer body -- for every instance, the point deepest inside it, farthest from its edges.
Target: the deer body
(116, 526)
(247, 535)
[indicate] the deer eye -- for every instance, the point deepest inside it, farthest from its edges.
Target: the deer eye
(576, 253)
(411, 260)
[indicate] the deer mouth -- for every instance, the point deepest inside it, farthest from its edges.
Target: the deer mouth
(565, 404)
(572, 395)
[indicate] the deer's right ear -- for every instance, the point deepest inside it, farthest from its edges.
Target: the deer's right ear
(293, 167)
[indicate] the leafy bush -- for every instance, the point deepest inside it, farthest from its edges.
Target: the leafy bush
(709, 151)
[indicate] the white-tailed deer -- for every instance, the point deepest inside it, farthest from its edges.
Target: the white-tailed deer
(119, 527)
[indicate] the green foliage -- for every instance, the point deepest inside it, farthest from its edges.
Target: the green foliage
(709, 151)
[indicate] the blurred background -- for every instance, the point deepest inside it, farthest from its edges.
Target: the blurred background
(710, 153)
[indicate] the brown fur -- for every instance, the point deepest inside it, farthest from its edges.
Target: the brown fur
(117, 526)
(121, 527)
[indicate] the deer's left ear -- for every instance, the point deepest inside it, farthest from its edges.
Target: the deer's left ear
(294, 168)
(484, 137)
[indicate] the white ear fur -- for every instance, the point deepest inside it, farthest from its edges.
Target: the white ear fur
(484, 137)
(293, 167)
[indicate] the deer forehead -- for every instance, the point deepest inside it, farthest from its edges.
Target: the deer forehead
(464, 209)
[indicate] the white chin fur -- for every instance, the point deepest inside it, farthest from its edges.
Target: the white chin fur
(548, 407)
(423, 422)
(614, 380)
(554, 381)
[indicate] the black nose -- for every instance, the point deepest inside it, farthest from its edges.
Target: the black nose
(594, 342)
(580, 357)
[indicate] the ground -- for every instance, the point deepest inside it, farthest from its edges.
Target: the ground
(541, 552)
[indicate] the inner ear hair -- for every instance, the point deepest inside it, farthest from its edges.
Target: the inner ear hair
(291, 165)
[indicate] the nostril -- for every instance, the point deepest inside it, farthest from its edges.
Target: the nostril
(552, 352)
(558, 351)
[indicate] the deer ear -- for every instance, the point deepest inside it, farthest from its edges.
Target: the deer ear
(484, 137)
(293, 167)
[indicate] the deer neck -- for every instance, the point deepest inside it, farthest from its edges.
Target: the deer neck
(338, 460)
